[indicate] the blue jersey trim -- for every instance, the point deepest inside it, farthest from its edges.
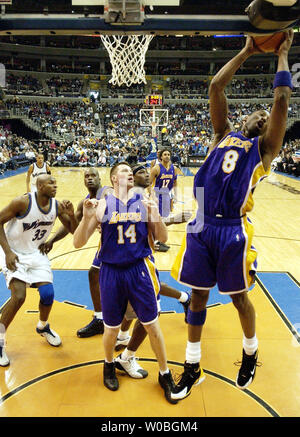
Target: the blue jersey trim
(50, 205)
(28, 208)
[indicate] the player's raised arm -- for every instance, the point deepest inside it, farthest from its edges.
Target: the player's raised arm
(218, 104)
(93, 211)
(271, 140)
(28, 175)
(67, 216)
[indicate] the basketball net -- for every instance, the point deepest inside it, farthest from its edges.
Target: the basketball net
(127, 55)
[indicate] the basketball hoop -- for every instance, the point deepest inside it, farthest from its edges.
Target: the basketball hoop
(127, 55)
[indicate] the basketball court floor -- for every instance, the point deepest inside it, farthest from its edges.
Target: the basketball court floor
(43, 381)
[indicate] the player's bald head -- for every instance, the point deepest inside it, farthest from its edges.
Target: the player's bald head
(43, 179)
(91, 170)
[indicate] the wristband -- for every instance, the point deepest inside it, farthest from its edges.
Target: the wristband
(283, 78)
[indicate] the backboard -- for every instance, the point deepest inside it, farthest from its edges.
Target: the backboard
(161, 17)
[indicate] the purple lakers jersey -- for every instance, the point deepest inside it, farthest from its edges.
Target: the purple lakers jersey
(166, 178)
(229, 176)
(124, 231)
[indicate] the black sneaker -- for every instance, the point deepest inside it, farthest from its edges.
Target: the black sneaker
(161, 247)
(247, 371)
(95, 327)
(186, 307)
(109, 376)
(192, 375)
(167, 383)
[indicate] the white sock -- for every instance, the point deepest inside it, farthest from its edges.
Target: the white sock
(126, 354)
(193, 352)
(98, 315)
(164, 372)
(250, 345)
(41, 324)
(183, 297)
(123, 335)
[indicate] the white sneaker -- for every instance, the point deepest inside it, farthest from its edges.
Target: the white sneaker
(51, 336)
(131, 367)
(121, 344)
(4, 361)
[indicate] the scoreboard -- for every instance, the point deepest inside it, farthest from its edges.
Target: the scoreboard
(154, 100)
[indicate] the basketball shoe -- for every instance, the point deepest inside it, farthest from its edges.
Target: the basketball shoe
(51, 336)
(167, 384)
(95, 327)
(131, 367)
(109, 376)
(192, 375)
(247, 371)
(121, 344)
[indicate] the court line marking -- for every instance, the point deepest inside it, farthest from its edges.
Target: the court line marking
(277, 308)
(27, 384)
(293, 279)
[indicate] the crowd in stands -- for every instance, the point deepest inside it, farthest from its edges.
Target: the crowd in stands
(197, 42)
(76, 119)
(191, 87)
(288, 160)
(188, 132)
(22, 84)
(56, 86)
(162, 67)
(15, 151)
(136, 90)
(62, 86)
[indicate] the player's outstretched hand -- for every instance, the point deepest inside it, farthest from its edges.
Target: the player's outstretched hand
(89, 207)
(250, 46)
(286, 44)
(152, 210)
(68, 207)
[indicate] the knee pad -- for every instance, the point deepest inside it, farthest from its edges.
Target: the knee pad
(196, 318)
(46, 294)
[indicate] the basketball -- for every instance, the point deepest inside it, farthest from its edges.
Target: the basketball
(269, 43)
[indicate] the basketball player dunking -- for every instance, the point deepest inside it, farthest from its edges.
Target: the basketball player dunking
(217, 248)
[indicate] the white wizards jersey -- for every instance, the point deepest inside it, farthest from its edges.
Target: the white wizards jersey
(25, 233)
(37, 171)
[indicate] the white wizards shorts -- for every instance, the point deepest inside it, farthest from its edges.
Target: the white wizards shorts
(31, 268)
